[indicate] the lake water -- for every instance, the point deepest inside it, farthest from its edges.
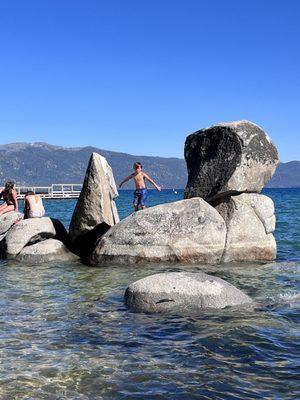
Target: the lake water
(66, 334)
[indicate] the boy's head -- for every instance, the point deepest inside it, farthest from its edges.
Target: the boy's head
(137, 166)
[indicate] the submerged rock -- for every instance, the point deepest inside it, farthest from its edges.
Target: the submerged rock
(228, 158)
(182, 290)
(30, 231)
(95, 211)
(188, 231)
(47, 250)
(250, 221)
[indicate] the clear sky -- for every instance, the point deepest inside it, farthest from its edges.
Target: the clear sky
(138, 76)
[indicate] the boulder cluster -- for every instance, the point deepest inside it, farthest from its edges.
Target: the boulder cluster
(223, 217)
(37, 240)
(34, 240)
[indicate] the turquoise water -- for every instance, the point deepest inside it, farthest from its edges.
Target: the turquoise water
(66, 334)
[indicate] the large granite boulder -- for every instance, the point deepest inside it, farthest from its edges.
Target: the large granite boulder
(28, 232)
(250, 221)
(7, 220)
(45, 251)
(228, 158)
(172, 291)
(95, 211)
(185, 231)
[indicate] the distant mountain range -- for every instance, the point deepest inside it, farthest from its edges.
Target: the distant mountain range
(44, 164)
(287, 175)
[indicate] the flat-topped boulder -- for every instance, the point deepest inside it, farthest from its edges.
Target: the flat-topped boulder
(186, 231)
(30, 231)
(173, 291)
(250, 221)
(228, 158)
(95, 211)
(45, 251)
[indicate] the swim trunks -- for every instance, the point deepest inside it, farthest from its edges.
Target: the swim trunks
(139, 197)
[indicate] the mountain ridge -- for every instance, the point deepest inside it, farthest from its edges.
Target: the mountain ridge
(40, 163)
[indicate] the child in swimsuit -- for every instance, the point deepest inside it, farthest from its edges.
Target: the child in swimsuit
(140, 193)
(9, 195)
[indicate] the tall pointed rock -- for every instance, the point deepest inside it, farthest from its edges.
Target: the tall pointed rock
(95, 211)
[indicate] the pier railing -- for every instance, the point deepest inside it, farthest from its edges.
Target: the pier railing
(55, 191)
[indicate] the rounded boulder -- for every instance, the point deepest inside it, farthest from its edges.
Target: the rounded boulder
(47, 250)
(186, 231)
(182, 290)
(229, 158)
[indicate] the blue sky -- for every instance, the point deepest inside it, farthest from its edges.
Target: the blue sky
(139, 76)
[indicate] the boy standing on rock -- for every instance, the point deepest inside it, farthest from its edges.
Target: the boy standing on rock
(140, 193)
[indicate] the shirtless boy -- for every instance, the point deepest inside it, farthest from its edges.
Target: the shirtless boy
(140, 193)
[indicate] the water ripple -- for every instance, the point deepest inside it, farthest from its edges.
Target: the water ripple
(66, 334)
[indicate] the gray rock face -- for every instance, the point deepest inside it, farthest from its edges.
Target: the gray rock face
(187, 231)
(182, 290)
(250, 222)
(228, 158)
(47, 250)
(7, 220)
(95, 211)
(30, 231)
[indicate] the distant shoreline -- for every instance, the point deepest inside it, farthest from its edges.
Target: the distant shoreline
(19, 161)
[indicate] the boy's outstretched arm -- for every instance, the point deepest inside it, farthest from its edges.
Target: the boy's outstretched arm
(152, 181)
(125, 180)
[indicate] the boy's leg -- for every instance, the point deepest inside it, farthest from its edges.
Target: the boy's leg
(143, 199)
(136, 200)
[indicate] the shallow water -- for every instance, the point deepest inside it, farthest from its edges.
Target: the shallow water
(66, 334)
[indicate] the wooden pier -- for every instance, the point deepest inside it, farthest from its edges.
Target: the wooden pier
(55, 191)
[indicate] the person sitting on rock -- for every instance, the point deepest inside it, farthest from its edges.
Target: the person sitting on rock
(140, 193)
(33, 206)
(9, 195)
